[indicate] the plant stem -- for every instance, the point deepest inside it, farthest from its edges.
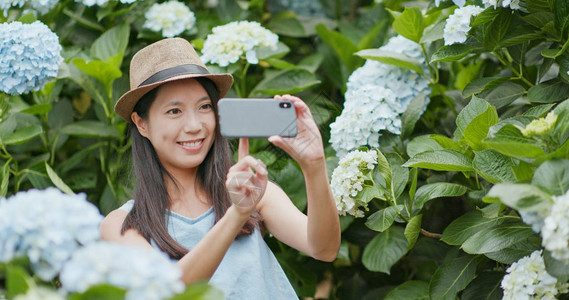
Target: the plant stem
(431, 235)
(507, 64)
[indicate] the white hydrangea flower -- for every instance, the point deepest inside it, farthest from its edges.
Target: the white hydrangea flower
(528, 279)
(535, 218)
(459, 3)
(513, 4)
(145, 274)
(40, 293)
(171, 18)
(348, 178)
(29, 57)
(376, 96)
(47, 226)
(102, 2)
(231, 41)
(458, 24)
(41, 6)
(555, 232)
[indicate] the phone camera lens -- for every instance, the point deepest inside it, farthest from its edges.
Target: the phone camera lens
(284, 105)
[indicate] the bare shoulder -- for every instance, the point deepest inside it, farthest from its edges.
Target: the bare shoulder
(111, 230)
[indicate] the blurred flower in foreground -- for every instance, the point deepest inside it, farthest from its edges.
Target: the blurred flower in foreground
(229, 42)
(29, 57)
(458, 24)
(555, 232)
(40, 293)
(376, 96)
(348, 179)
(47, 226)
(513, 4)
(145, 274)
(541, 126)
(172, 18)
(528, 279)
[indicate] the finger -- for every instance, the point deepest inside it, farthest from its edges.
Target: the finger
(278, 141)
(243, 148)
(247, 163)
(300, 106)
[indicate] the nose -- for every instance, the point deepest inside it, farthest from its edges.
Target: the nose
(192, 124)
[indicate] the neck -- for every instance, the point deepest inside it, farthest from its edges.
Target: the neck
(186, 189)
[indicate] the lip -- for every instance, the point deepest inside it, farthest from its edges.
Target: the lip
(185, 144)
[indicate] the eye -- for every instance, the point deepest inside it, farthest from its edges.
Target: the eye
(173, 111)
(206, 106)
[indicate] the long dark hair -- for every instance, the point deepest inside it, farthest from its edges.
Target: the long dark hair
(148, 215)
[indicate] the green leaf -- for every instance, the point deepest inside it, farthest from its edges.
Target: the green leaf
(504, 94)
(435, 190)
(549, 92)
(17, 281)
(383, 219)
(410, 24)
(371, 36)
(468, 224)
(57, 180)
(368, 193)
(441, 160)
(538, 19)
(510, 141)
(493, 166)
(38, 109)
(384, 169)
(104, 72)
(496, 30)
(452, 277)
(199, 291)
(268, 52)
(485, 286)
(28, 18)
(453, 52)
(384, 250)
(412, 115)
(521, 196)
(102, 291)
(412, 230)
(290, 81)
(538, 111)
(23, 135)
(553, 175)
(556, 268)
(434, 32)
(422, 143)
(286, 24)
(341, 44)
(497, 237)
(445, 142)
(561, 130)
(399, 174)
(513, 253)
(474, 121)
(561, 11)
(111, 43)
(392, 58)
(520, 34)
(90, 129)
(292, 182)
(5, 172)
(480, 85)
(409, 290)
(280, 64)
(487, 16)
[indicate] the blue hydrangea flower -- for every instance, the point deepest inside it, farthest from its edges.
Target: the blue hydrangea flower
(41, 6)
(145, 274)
(47, 226)
(171, 18)
(101, 2)
(376, 96)
(29, 57)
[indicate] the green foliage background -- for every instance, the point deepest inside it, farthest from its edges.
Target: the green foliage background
(442, 223)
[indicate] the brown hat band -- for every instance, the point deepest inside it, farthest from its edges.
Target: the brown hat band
(174, 71)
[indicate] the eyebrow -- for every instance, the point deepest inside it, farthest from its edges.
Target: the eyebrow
(177, 102)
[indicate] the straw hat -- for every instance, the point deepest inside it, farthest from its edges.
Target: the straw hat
(164, 61)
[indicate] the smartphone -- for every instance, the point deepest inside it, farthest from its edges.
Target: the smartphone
(256, 117)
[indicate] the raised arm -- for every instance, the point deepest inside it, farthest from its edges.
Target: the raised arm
(201, 262)
(317, 233)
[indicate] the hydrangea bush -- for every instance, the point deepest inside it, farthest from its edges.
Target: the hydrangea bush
(171, 18)
(41, 6)
(47, 226)
(29, 57)
(145, 274)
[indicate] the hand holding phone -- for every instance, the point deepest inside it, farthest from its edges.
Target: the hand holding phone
(256, 117)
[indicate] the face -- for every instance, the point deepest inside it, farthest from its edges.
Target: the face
(180, 124)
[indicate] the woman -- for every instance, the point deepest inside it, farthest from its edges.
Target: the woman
(191, 203)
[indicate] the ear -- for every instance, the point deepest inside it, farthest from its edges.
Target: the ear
(140, 124)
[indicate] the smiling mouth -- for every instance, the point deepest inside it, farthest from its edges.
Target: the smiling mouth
(191, 144)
